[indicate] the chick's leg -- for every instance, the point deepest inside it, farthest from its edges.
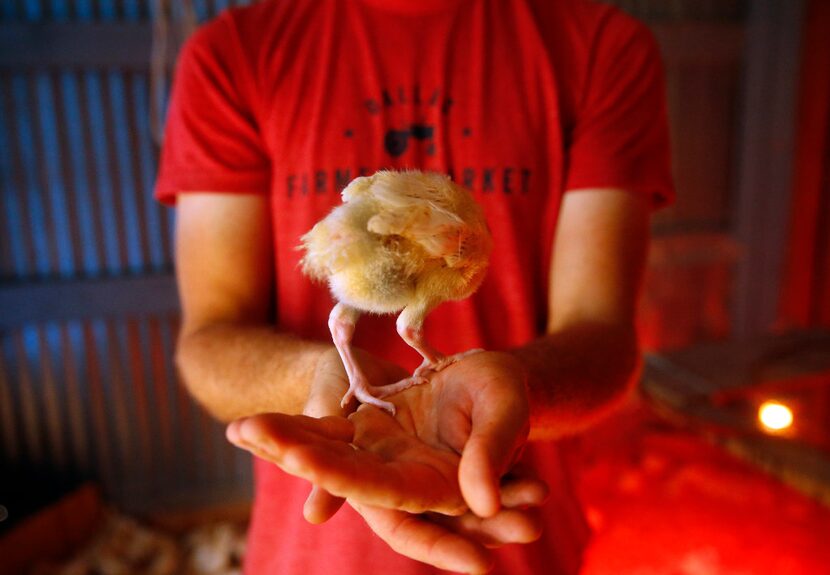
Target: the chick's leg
(342, 320)
(409, 325)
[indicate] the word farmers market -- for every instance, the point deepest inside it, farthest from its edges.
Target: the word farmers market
(496, 180)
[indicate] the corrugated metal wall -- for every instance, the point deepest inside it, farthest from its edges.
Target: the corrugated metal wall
(96, 396)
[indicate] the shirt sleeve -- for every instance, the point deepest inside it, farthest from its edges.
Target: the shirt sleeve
(620, 137)
(212, 141)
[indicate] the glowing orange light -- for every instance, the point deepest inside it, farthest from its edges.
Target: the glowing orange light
(775, 416)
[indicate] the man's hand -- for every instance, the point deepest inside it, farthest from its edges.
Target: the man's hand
(370, 459)
(453, 437)
(459, 433)
(477, 407)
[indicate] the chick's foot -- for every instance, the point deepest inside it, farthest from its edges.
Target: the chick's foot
(440, 362)
(372, 395)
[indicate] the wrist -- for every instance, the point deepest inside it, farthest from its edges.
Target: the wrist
(577, 375)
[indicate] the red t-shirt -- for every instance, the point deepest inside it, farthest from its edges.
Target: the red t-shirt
(519, 100)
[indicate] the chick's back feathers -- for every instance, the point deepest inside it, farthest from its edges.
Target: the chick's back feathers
(394, 238)
(425, 208)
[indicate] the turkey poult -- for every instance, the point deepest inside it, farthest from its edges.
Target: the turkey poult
(399, 241)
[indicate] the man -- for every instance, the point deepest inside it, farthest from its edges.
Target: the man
(553, 114)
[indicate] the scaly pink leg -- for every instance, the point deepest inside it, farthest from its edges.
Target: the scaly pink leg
(341, 324)
(409, 328)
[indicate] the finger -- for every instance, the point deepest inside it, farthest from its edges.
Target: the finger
(505, 527)
(419, 538)
(321, 505)
(524, 492)
(320, 404)
(323, 403)
(274, 437)
(497, 429)
(266, 428)
(522, 487)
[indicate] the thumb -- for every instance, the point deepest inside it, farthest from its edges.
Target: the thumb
(322, 404)
(324, 397)
(498, 430)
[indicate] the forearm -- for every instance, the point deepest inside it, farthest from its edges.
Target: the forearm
(236, 370)
(578, 374)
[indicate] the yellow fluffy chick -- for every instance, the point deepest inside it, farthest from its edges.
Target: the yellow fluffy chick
(399, 241)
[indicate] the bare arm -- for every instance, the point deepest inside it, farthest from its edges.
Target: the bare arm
(589, 358)
(232, 360)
